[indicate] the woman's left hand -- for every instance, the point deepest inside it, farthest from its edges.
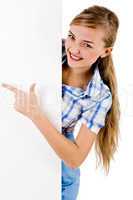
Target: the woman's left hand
(25, 102)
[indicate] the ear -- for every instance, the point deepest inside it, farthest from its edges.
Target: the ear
(106, 52)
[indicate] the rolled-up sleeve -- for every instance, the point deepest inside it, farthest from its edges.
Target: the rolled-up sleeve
(94, 118)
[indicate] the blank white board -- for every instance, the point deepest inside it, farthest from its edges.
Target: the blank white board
(30, 49)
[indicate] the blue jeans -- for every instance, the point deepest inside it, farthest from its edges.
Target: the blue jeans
(70, 179)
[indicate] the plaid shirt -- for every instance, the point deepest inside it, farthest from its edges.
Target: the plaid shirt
(88, 106)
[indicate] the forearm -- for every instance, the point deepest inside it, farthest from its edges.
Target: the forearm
(64, 148)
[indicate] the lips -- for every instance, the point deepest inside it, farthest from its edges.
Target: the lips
(73, 57)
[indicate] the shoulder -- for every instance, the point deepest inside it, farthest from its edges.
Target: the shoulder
(100, 94)
(104, 99)
(105, 96)
(94, 113)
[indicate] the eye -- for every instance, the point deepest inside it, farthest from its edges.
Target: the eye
(70, 36)
(88, 45)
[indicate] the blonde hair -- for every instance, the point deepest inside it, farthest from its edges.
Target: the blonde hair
(107, 138)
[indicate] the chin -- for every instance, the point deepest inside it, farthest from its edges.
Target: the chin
(73, 64)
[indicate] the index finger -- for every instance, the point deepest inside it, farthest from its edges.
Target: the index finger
(10, 87)
(32, 88)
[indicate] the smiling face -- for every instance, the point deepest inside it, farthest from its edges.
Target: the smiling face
(84, 46)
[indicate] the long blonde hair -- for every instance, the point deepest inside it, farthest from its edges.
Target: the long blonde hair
(107, 138)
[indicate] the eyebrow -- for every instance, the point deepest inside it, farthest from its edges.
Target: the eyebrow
(83, 40)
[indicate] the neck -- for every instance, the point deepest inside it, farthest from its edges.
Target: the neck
(76, 77)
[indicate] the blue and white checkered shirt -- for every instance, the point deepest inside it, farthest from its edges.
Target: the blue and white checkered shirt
(88, 106)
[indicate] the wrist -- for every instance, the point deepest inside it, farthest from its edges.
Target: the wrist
(37, 115)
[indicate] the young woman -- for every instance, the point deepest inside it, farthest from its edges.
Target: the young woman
(89, 97)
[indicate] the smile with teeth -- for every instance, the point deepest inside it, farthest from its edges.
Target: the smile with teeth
(74, 57)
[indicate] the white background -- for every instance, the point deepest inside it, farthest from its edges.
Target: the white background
(118, 184)
(30, 51)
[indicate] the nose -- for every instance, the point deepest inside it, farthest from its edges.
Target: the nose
(75, 48)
